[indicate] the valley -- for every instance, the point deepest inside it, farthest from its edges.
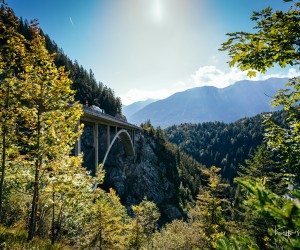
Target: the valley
(205, 168)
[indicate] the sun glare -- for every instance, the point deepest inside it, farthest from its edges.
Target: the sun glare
(158, 10)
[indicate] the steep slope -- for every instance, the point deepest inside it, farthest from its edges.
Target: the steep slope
(242, 99)
(88, 90)
(224, 145)
(159, 172)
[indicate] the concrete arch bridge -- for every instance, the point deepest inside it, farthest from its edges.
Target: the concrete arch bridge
(100, 133)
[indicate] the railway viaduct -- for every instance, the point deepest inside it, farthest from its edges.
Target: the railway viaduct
(99, 135)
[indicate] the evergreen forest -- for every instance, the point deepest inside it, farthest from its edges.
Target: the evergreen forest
(227, 146)
(238, 183)
(88, 90)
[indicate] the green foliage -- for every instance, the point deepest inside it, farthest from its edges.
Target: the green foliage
(188, 171)
(88, 90)
(284, 211)
(235, 243)
(148, 128)
(15, 238)
(216, 143)
(265, 169)
(48, 115)
(264, 166)
(208, 215)
(42, 130)
(150, 215)
(143, 225)
(137, 236)
(106, 222)
(285, 140)
(276, 41)
(46, 190)
(179, 235)
(12, 51)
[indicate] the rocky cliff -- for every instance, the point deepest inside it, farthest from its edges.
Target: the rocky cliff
(152, 173)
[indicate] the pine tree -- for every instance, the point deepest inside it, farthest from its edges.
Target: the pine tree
(264, 166)
(106, 222)
(149, 219)
(207, 215)
(144, 224)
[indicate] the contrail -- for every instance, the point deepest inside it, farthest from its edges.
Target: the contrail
(71, 21)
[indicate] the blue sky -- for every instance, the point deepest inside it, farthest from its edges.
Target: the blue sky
(148, 48)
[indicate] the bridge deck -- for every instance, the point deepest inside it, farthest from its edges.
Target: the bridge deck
(93, 115)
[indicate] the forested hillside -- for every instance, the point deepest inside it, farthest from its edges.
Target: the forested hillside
(46, 195)
(160, 172)
(219, 144)
(49, 201)
(88, 89)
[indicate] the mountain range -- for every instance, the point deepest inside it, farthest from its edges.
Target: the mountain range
(129, 110)
(201, 104)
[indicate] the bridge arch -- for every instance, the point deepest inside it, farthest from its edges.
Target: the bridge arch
(127, 143)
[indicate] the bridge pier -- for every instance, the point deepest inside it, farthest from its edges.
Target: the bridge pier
(78, 142)
(108, 136)
(95, 132)
(99, 135)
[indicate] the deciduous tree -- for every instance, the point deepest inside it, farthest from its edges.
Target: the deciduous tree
(49, 113)
(106, 222)
(144, 224)
(40, 94)
(275, 42)
(12, 51)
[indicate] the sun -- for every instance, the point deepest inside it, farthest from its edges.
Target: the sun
(158, 10)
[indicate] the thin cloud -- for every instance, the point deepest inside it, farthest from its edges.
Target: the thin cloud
(71, 21)
(204, 76)
(212, 76)
(135, 95)
(290, 74)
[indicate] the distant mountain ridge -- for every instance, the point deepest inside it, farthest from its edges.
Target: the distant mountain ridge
(202, 104)
(129, 110)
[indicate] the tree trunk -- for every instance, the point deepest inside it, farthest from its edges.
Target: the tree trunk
(3, 153)
(2, 169)
(32, 222)
(53, 218)
(35, 198)
(100, 239)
